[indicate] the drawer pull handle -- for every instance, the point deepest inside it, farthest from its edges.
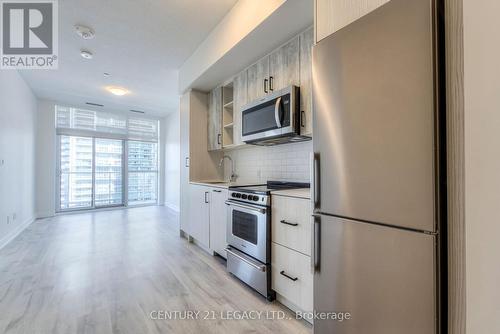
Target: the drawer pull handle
(287, 223)
(289, 277)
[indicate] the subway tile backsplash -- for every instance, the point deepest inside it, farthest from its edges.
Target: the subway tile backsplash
(289, 162)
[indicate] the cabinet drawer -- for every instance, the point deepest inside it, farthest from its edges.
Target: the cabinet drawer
(298, 287)
(295, 211)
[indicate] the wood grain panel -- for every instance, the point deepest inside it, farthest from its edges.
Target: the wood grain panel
(257, 73)
(456, 165)
(215, 119)
(306, 44)
(284, 66)
(293, 211)
(332, 15)
(240, 99)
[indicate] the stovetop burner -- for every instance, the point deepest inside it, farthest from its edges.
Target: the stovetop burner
(270, 186)
(260, 194)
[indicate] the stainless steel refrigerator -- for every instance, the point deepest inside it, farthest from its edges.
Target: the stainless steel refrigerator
(379, 173)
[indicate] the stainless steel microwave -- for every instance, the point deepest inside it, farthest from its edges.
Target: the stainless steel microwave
(274, 119)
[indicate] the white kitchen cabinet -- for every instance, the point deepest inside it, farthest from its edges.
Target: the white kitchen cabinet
(291, 223)
(332, 15)
(292, 277)
(218, 220)
(284, 66)
(306, 44)
(258, 79)
(199, 214)
(215, 119)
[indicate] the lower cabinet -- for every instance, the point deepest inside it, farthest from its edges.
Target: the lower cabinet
(208, 217)
(199, 210)
(292, 277)
(218, 221)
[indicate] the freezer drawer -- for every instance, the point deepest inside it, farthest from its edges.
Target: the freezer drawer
(384, 277)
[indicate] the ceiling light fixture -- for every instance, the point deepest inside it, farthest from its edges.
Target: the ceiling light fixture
(118, 91)
(84, 32)
(137, 111)
(86, 54)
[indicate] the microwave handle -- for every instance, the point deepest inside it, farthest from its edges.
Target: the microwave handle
(277, 112)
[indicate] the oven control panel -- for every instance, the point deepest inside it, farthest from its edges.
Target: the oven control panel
(257, 199)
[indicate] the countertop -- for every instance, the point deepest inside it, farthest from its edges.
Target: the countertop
(221, 184)
(298, 193)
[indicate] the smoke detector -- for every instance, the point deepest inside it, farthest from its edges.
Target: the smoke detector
(84, 32)
(86, 54)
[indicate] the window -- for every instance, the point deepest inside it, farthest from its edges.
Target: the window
(142, 172)
(108, 172)
(76, 160)
(93, 165)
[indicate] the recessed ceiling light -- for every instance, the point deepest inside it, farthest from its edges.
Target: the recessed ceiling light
(86, 54)
(119, 91)
(84, 32)
(106, 74)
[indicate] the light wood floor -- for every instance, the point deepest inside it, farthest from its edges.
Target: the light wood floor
(105, 272)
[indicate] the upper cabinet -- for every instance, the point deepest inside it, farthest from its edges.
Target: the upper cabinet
(240, 96)
(215, 119)
(306, 44)
(258, 79)
(284, 66)
(275, 71)
(332, 15)
(290, 64)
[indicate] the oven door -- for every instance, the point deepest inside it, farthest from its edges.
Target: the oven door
(270, 117)
(248, 229)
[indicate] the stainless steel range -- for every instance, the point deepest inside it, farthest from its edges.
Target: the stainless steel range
(249, 234)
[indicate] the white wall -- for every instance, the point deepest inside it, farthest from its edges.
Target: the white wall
(18, 108)
(482, 164)
(172, 160)
(290, 162)
(46, 160)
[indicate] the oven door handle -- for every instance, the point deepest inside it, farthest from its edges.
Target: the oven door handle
(247, 261)
(277, 112)
(249, 207)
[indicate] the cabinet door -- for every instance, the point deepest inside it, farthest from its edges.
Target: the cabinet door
(332, 15)
(240, 98)
(218, 221)
(284, 66)
(215, 119)
(258, 79)
(199, 199)
(306, 44)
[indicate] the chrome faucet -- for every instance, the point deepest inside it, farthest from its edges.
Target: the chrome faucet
(233, 175)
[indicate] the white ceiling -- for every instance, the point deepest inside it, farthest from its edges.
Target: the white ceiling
(141, 43)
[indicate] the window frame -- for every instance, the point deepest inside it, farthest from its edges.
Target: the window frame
(125, 176)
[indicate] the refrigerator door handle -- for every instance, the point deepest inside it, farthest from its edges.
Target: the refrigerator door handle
(316, 244)
(316, 181)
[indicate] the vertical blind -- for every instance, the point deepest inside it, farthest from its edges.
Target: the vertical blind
(81, 122)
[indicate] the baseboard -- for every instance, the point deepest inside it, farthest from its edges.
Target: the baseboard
(46, 214)
(172, 207)
(12, 235)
